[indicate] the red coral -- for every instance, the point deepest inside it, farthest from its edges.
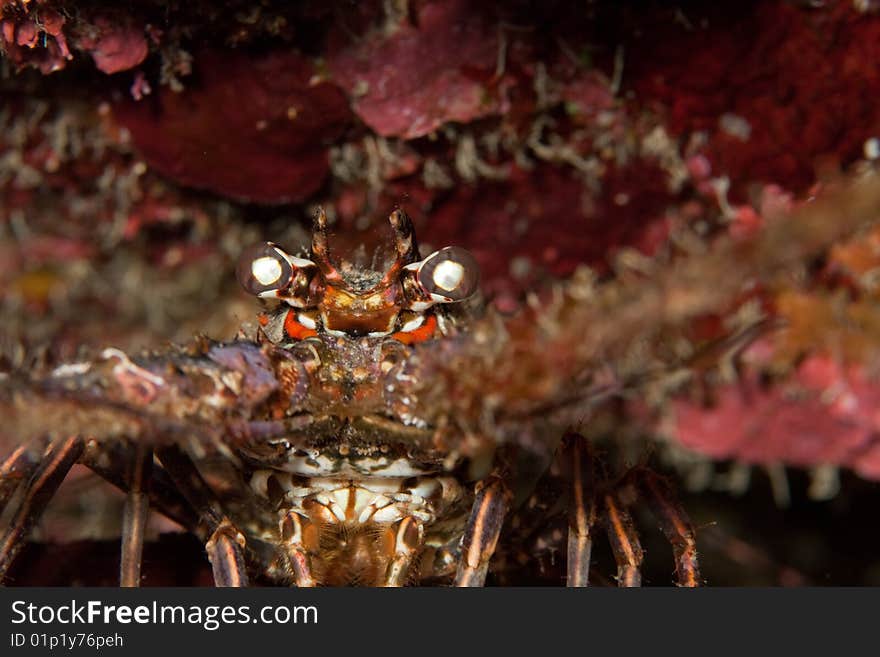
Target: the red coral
(115, 44)
(545, 221)
(418, 78)
(825, 413)
(36, 39)
(587, 95)
(254, 128)
(777, 87)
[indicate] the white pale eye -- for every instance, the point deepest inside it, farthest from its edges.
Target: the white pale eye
(448, 275)
(266, 270)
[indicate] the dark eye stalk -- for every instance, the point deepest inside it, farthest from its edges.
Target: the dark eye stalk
(266, 271)
(448, 275)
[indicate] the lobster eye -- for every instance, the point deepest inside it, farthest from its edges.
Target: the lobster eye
(449, 275)
(264, 268)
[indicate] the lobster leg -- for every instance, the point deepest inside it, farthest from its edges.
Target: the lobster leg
(577, 469)
(110, 462)
(18, 467)
(482, 530)
(41, 487)
(407, 543)
(674, 524)
(578, 457)
(137, 508)
(624, 541)
(297, 555)
(226, 552)
(225, 543)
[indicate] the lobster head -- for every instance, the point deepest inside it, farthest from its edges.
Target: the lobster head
(348, 300)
